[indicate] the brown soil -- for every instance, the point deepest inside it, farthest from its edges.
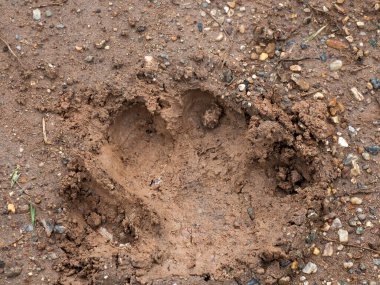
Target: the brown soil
(160, 170)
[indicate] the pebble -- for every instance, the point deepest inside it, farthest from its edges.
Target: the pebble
(284, 280)
(366, 156)
(343, 235)
(36, 14)
(310, 268)
(231, 4)
(374, 150)
(220, 37)
(360, 24)
(263, 56)
(316, 251)
(11, 208)
(375, 83)
(253, 282)
(241, 87)
(356, 201)
(348, 264)
(48, 13)
(342, 142)
(295, 68)
(200, 27)
(323, 57)
(359, 230)
(328, 250)
(336, 224)
(336, 44)
(89, 59)
(318, 96)
(336, 65)
(358, 96)
(301, 83)
(376, 261)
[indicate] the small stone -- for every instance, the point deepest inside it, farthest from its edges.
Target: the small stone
(336, 224)
(336, 65)
(342, 142)
(295, 68)
(336, 44)
(48, 13)
(89, 59)
(59, 229)
(374, 150)
(284, 280)
(375, 83)
(301, 83)
(253, 281)
(263, 56)
(328, 250)
(362, 217)
(318, 96)
(366, 156)
(359, 230)
(350, 39)
(220, 37)
(36, 14)
(340, 1)
(241, 87)
(348, 265)
(231, 4)
(254, 56)
(356, 201)
(360, 24)
(242, 29)
(11, 208)
(310, 268)
(323, 57)
(343, 235)
(358, 96)
(316, 251)
(376, 261)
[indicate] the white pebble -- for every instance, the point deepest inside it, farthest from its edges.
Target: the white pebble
(36, 14)
(342, 142)
(356, 201)
(358, 96)
(336, 65)
(310, 268)
(241, 87)
(343, 235)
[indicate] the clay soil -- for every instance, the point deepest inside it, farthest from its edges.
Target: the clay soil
(171, 154)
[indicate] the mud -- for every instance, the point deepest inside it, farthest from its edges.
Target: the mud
(159, 166)
(193, 187)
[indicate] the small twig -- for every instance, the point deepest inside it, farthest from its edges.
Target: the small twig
(12, 52)
(359, 69)
(311, 37)
(9, 244)
(311, 93)
(50, 4)
(46, 141)
(296, 59)
(352, 245)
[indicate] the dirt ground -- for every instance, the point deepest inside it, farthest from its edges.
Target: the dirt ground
(189, 142)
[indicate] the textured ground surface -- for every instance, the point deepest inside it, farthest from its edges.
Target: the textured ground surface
(189, 142)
